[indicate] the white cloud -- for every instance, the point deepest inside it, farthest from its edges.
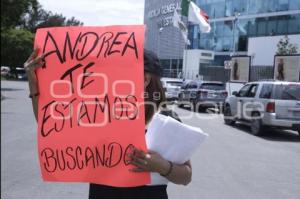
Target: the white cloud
(99, 12)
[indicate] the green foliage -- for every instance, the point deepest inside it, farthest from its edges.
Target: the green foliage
(12, 12)
(16, 46)
(284, 47)
(19, 21)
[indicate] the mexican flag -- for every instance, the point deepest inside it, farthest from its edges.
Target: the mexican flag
(195, 15)
(181, 26)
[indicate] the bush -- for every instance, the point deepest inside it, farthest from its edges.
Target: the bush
(16, 46)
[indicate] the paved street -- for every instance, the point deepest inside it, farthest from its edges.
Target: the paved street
(230, 164)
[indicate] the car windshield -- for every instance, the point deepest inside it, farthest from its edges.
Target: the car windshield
(171, 83)
(213, 86)
(287, 92)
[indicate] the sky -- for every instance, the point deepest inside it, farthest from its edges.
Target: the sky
(99, 12)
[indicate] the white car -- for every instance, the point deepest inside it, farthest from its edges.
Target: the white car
(172, 87)
(5, 70)
(265, 104)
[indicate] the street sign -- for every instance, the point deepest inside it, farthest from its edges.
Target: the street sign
(227, 64)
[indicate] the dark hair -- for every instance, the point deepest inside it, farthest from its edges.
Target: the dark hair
(154, 87)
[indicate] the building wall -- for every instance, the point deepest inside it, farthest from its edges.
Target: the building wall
(263, 49)
(257, 18)
(167, 43)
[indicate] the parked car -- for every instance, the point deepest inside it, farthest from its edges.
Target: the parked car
(172, 87)
(201, 95)
(5, 70)
(18, 73)
(265, 104)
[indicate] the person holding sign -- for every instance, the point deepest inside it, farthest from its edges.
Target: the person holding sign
(143, 161)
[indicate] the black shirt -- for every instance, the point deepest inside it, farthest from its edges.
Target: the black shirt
(141, 192)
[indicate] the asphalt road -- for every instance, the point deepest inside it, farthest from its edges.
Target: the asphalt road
(230, 164)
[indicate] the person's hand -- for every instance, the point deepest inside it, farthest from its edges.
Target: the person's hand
(148, 162)
(32, 63)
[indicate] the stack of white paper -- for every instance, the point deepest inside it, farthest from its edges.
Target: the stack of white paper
(173, 140)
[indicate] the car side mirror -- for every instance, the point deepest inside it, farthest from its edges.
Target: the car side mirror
(235, 93)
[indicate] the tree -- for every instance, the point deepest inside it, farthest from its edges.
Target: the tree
(284, 47)
(16, 46)
(40, 18)
(12, 12)
(73, 22)
(51, 20)
(19, 21)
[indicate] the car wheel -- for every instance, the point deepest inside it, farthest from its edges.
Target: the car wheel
(256, 125)
(228, 116)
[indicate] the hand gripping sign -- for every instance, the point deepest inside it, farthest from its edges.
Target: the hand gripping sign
(90, 111)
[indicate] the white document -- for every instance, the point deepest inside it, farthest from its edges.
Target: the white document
(173, 140)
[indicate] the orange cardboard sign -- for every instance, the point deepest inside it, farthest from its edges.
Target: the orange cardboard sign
(90, 109)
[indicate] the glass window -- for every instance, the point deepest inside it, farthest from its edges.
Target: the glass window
(287, 92)
(180, 64)
(242, 43)
(243, 92)
(227, 43)
(212, 86)
(192, 85)
(294, 5)
(271, 27)
(252, 91)
(283, 5)
(282, 25)
(294, 24)
(174, 64)
(233, 6)
(261, 26)
(227, 28)
(242, 26)
(218, 10)
(165, 63)
(266, 91)
(257, 6)
(251, 28)
(229, 8)
(272, 5)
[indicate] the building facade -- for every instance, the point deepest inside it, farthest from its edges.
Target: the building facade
(161, 36)
(233, 22)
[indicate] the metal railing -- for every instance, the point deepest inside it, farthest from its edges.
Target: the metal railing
(218, 73)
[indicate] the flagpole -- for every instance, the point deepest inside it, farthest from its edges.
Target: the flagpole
(185, 50)
(185, 59)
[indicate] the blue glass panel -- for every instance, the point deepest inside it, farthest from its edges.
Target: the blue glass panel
(294, 5)
(282, 25)
(261, 26)
(283, 5)
(257, 6)
(271, 27)
(294, 24)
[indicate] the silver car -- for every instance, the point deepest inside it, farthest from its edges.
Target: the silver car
(201, 95)
(265, 104)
